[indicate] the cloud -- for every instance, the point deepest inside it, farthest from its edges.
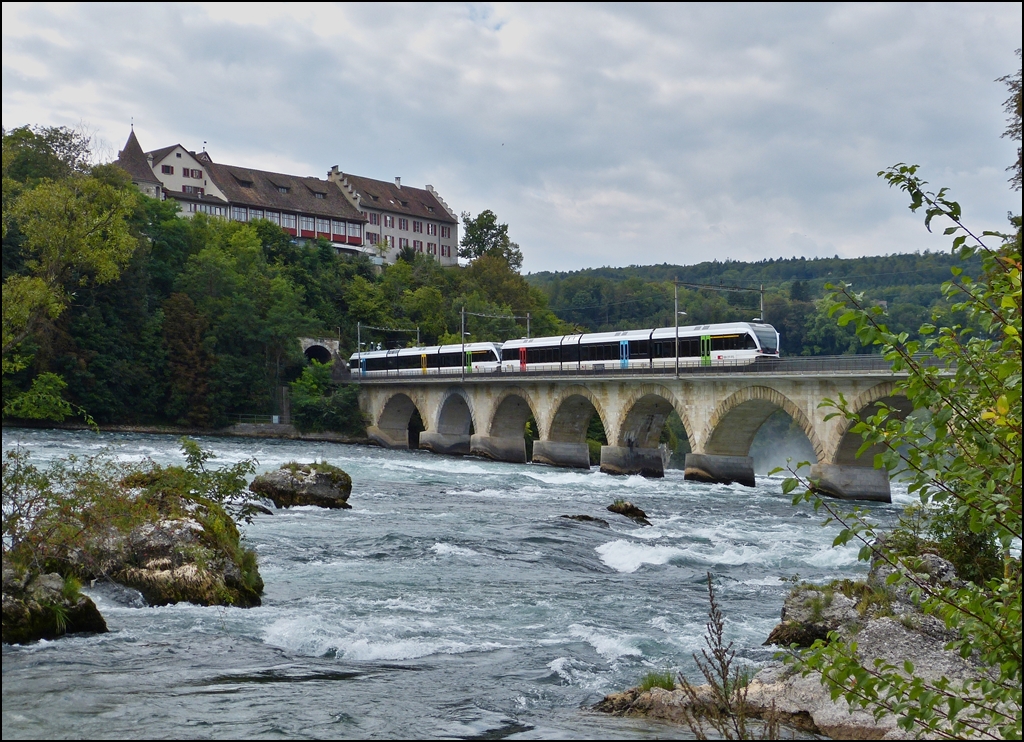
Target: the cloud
(604, 135)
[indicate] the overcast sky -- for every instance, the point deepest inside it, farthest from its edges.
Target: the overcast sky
(602, 134)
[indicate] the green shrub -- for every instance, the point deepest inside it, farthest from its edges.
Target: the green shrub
(656, 679)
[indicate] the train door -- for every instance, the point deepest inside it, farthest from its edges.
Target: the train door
(423, 363)
(705, 350)
(469, 361)
(624, 353)
(522, 359)
(362, 366)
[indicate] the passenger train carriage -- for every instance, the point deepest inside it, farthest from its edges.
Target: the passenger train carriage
(479, 358)
(735, 342)
(699, 345)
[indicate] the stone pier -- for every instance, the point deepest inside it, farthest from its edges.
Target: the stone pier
(555, 453)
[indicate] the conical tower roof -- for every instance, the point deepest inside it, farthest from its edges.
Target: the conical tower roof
(133, 161)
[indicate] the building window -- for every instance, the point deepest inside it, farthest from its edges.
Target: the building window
(372, 237)
(239, 214)
(255, 214)
(338, 227)
(317, 194)
(432, 229)
(288, 221)
(417, 226)
(274, 216)
(403, 242)
(189, 173)
(307, 223)
(167, 169)
(403, 224)
(417, 245)
(389, 221)
(446, 231)
(178, 155)
(194, 190)
(323, 225)
(282, 189)
(389, 240)
(355, 230)
(374, 218)
(432, 247)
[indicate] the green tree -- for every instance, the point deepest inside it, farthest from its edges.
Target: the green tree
(967, 461)
(483, 235)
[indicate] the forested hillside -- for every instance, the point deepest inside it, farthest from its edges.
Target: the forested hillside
(136, 315)
(604, 299)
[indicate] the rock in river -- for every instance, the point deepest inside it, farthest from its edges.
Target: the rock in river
(293, 484)
(631, 511)
(45, 606)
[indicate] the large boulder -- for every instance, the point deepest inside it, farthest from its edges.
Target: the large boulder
(45, 606)
(190, 552)
(294, 484)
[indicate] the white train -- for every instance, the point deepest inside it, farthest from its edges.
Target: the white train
(479, 358)
(733, 342)
(699, 345)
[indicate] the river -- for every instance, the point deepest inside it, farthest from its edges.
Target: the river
(451, 601)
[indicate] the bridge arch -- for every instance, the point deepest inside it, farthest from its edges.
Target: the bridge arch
(734, 423)
(846, 443)
(455, 413)
(391, 428)
(572, 411)
(510, 413)
(643, 414)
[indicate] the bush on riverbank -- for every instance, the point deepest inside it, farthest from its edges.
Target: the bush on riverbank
(319, 406)
(964, 464)
(169, 532)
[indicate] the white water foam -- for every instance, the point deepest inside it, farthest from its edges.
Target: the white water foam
(626, 556)
(608, 645)
(446, 549)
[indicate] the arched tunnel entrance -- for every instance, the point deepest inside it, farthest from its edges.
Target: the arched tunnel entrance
(318, 353)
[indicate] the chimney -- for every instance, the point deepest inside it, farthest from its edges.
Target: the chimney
(398, 182)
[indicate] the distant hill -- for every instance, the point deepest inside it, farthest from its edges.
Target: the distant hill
(603, 299)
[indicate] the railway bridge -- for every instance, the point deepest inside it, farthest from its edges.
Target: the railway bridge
(721, 407)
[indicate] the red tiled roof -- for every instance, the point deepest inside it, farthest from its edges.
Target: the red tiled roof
(406, 201)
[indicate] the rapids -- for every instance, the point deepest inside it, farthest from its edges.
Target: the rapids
(452, 601)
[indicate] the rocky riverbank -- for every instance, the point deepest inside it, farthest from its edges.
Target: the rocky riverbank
(885, 622)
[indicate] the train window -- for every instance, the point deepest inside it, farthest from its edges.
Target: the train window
(409, 361)
(570, 353)
(449, 360)
(510, 354)
(639, 349)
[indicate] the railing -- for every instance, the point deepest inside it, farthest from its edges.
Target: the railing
(254, 419)
(793, 366)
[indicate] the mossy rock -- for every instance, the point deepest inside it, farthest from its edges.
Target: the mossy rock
(45, 606)
(319, 484)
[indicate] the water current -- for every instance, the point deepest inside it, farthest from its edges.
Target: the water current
(452, 601)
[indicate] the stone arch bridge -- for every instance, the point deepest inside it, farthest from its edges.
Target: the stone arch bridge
(485, 415)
